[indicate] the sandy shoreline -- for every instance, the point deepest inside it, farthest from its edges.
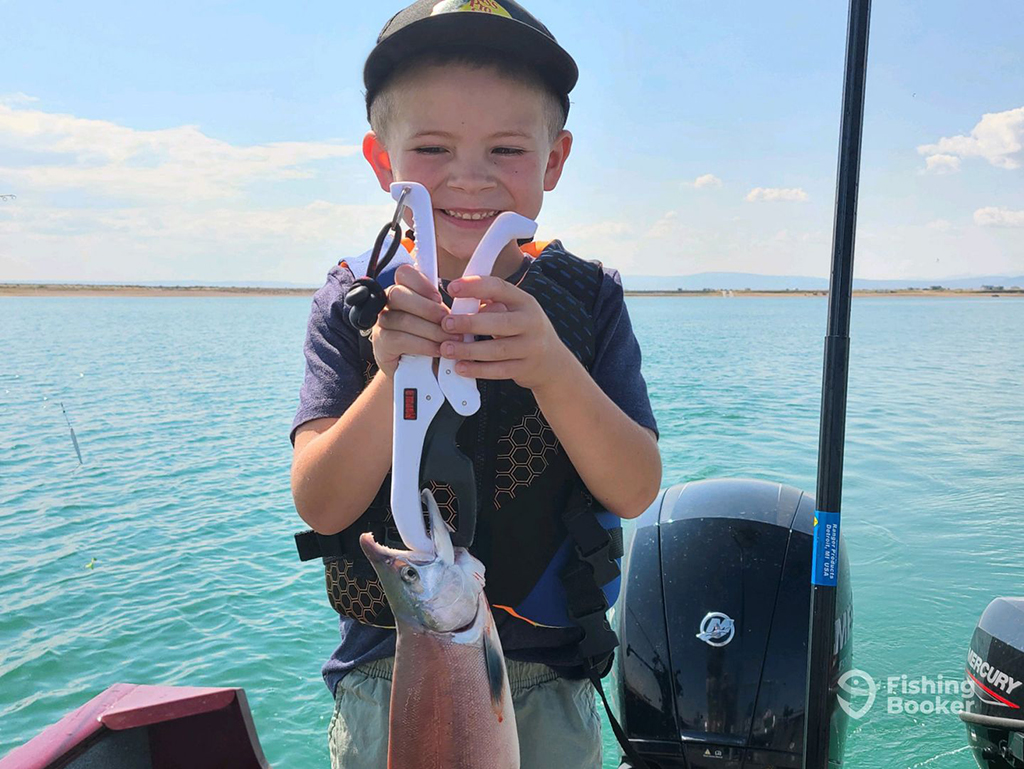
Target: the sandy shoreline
(72, 289)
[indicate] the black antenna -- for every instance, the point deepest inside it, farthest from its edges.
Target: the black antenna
(821, 701)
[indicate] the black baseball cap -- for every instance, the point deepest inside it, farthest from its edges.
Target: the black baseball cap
(500, 25)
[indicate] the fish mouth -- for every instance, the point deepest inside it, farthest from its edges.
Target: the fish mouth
(378, 553)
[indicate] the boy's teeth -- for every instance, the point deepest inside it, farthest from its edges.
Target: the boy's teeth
(474, 216)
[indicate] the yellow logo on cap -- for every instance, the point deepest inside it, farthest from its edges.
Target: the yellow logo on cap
(472, 6)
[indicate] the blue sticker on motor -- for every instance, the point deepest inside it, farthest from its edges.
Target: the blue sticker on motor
(826, 549)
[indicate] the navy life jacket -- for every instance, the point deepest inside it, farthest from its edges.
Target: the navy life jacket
(551, 553)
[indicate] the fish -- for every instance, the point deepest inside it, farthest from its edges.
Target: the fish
(451, 706)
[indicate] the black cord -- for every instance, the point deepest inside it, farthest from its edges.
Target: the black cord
(373, 270)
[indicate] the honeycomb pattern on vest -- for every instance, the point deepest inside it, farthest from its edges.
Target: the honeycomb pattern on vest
(523, 454)
(355, 596)
(362, 598)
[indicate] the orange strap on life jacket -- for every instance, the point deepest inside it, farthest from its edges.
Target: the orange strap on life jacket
(534, 248)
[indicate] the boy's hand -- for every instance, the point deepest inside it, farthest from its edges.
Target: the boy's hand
(410, 323)
(525, 347)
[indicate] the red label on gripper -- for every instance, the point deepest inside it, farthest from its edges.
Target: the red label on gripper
(410, 403)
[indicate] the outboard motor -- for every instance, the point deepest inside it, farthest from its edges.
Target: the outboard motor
(994, 707)
(713, 623)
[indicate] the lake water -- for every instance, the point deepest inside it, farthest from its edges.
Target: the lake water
(182, 507)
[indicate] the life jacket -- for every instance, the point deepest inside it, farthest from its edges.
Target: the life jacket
(551, 553)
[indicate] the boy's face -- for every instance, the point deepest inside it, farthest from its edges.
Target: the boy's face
(480, 144)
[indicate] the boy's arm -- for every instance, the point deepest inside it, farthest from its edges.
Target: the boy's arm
(359, 443)
(339, 463)
(617, 459)
(334, 477)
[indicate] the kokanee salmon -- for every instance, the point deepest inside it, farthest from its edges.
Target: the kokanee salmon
(451, 707)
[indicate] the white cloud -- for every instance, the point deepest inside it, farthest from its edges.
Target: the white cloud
(998, 138)
(318, 222)
(608, 229)
(762, 194)
(112, 160)
(167, 204)
(290, 243)
(707, 180)
(942, 164)
(17, 98)
(748, 244)
(665, 226)
(998, 217)
(609, 240)
(941, 225)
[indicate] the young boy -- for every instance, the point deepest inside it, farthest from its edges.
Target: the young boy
(482, 127)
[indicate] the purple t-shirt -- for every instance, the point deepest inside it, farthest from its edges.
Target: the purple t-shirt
(334, 378)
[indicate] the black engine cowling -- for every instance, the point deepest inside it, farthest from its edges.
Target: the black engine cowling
(994, 709)
(713, 623)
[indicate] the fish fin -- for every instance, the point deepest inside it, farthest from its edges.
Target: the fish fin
(495, 670)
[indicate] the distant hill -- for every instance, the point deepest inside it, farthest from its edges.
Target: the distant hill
(736, 281)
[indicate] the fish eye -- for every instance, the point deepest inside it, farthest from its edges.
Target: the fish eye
(408, 574)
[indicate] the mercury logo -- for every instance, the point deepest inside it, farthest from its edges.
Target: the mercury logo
(717, 629)
(986, 672)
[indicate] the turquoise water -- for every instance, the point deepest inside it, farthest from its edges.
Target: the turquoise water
(182, 409)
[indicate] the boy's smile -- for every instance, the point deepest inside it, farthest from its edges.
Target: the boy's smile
(481, 144)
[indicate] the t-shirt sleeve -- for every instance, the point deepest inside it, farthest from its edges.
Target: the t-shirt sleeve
(334, 369)
(617, 360)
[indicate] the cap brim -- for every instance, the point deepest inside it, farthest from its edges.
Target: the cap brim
(477, 30)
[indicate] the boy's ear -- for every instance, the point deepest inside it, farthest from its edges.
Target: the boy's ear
(556, 160)
(376, 155)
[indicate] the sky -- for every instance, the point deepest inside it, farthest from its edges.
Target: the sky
(219, 142)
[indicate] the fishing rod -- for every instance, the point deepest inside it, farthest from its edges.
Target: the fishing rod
(820, 701)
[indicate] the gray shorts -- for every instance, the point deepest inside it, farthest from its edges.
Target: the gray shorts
(556, 718)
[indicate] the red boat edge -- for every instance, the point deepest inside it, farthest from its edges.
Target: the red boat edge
(132, 726)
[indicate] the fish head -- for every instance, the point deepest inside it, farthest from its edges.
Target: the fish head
(440, 591)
